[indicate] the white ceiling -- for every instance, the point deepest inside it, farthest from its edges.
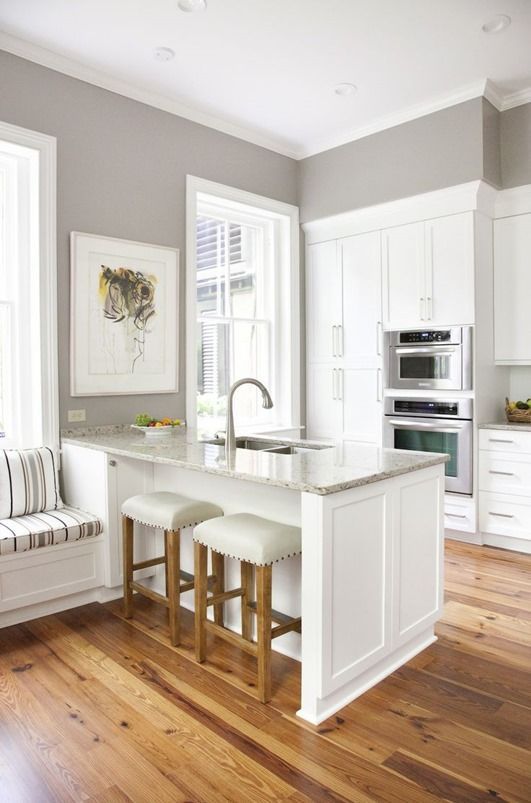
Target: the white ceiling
(265, 70)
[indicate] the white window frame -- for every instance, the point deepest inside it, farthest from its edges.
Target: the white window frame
(287, 294)
(45, 264)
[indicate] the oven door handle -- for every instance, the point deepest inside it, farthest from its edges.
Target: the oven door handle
(439, 350)
(414, 425)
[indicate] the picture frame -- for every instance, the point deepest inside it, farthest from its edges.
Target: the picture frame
(124, 309)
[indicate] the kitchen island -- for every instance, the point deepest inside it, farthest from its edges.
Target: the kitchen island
(369, 584)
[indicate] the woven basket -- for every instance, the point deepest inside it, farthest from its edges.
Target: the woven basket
(517, 416)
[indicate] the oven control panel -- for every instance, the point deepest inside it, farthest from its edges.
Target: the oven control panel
(432, 336)
(424, 407)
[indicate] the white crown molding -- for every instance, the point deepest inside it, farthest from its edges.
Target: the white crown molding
(74, 69)
(471, 196)
(54, 61)
(514, 201)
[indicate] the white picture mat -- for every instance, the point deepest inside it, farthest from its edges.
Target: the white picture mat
(99, 364)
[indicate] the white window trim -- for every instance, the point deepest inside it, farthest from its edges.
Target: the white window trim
(47, 148)
(290, 213)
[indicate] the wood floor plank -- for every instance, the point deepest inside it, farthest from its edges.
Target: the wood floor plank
(96, 708)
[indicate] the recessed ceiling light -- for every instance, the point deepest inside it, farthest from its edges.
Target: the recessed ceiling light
(345, 89)
(192, 5)
(163, 54)
(498, 23)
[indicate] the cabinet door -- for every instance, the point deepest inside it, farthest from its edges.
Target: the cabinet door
(512, 321)
(324, 408)
(403, 276)
(450, 270)
(323, 308)
(361, 393)
(360, 341)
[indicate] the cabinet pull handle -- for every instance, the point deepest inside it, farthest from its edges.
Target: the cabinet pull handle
(334, 383)
(112, 463)
(340, 340)
(429, 308)
(379, 338)
(421, 303)
(504, 473)
(501, 515)
(379, 385)
(334, 341)
(499, 440)
(456, 515)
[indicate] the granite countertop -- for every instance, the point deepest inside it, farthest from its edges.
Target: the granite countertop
(319, 471)
(507, 425)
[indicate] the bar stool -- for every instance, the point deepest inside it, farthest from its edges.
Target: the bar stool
(255, 542)
(169, 512)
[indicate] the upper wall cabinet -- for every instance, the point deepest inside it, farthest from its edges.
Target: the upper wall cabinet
(428, 273)
(512, 272)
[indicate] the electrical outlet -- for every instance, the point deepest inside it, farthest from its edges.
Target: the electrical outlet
(76, 416)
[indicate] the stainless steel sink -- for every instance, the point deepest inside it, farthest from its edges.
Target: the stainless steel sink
(275, 447)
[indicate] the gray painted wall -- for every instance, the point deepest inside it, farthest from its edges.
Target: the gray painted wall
(432, 152)
(515, 137)
(121, 172)
(491, 144)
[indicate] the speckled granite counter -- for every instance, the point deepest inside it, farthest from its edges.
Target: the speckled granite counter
(507, 425)
(318, 471)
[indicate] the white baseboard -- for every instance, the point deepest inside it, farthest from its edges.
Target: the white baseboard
(467, 538)
(30, 612)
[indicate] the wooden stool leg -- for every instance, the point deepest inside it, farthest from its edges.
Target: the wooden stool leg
(172, 541)
(218, 568)
(246, 573)
(263, 605)
(200, 594)
(166, 578)
(127, 536)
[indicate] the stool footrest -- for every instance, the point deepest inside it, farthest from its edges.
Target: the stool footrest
(186, 576)
(232, 638)
(224, 596)
(276, 616)
(149, 593)
(287, 627)
(145, 564)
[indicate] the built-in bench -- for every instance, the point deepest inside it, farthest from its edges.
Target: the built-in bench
(48, 551)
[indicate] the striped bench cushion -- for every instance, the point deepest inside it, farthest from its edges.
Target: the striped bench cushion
(28, 482)
(22, 533)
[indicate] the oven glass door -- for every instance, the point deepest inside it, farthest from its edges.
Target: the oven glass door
(450, 437)
(427, 367)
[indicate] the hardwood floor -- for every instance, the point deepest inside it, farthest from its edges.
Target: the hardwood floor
(99, 709)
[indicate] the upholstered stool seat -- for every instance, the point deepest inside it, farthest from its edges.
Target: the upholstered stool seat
(169, 512)
(250, 538)
(257, 543)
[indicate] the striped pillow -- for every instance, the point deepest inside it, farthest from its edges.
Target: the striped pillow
(28, 482)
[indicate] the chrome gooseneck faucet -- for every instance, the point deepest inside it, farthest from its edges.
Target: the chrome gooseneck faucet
(267, 403)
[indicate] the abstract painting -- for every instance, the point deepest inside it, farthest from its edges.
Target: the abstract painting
(124, 314)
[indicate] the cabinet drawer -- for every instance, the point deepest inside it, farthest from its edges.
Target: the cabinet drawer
(505, 472)
(502, 514)
(459, 514)
(505, 440)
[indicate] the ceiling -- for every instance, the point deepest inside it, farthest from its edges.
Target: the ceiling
(265, 70)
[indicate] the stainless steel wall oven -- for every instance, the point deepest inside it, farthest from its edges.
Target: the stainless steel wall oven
(434, 425)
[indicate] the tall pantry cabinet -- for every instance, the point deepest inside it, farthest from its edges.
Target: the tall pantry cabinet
(344, 358)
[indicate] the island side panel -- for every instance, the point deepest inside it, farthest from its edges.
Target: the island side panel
(363, 551)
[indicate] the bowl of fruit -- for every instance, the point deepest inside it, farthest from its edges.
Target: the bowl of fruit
(155, 427)
(518, 412)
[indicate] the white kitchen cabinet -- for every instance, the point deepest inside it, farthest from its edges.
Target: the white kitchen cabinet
(344, 370)
(428, 273)
(505, 488)
(512, 321)
(323, 291)
(404, 276)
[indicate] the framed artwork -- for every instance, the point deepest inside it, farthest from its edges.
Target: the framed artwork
(124, 310)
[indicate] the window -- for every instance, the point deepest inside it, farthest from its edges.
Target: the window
(28, 369)
(243, 316)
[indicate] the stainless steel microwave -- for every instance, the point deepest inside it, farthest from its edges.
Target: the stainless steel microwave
(432, 359)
